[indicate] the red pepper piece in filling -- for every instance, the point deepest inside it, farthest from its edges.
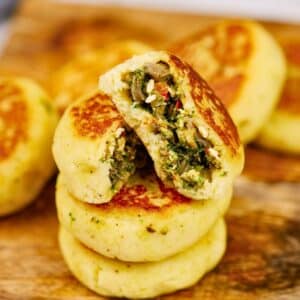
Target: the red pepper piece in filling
(178, 104)
(162, 89)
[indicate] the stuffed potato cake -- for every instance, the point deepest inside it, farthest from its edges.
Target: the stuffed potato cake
(143, 280)
(185, 128)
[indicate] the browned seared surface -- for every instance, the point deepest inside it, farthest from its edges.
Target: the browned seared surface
(13, 118)
(94, 116)
(139, 197)
(228, 49)
(290, 100)
(265, 165)
(213, 111)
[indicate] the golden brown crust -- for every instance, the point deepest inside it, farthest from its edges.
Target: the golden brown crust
(138, 197)
(230, 47)
(213, 111)
(289, 101)
(13, 118)
(93, 117)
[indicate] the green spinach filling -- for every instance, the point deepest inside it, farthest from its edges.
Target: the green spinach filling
(187, 152)
(123, 157)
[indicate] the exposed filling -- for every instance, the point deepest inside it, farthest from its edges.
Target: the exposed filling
(185, 149)
(128, 153)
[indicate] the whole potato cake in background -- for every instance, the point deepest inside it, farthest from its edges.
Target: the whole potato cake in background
(185, 128)
(145, 221)
(282, 131)
(244, 66)
(80, 75)
(27, 124)
(143, 280)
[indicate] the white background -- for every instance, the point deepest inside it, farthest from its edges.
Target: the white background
(277, 10)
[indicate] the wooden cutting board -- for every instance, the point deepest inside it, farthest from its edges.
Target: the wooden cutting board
(262, 260)
(263, 255)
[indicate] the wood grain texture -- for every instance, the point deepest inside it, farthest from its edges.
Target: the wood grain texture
(263, 256)
(265, 165)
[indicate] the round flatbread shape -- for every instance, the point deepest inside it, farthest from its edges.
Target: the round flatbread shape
(245, 67)
(110, 277)
(27, 124)
(145, 221)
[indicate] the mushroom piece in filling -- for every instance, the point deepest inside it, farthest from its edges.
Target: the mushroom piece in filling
(186, 151)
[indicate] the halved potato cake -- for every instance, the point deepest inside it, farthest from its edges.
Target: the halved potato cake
(183, 125)
(145, 221)
(245, 67)
(27, 124)
(282, 131)
(80, 75)
(94, 149)
(111, 277)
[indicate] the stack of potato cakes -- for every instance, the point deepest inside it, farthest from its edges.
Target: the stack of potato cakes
(146, 166)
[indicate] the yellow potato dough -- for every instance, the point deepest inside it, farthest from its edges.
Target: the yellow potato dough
(110, 277)
(145, 221)
(27, 124)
